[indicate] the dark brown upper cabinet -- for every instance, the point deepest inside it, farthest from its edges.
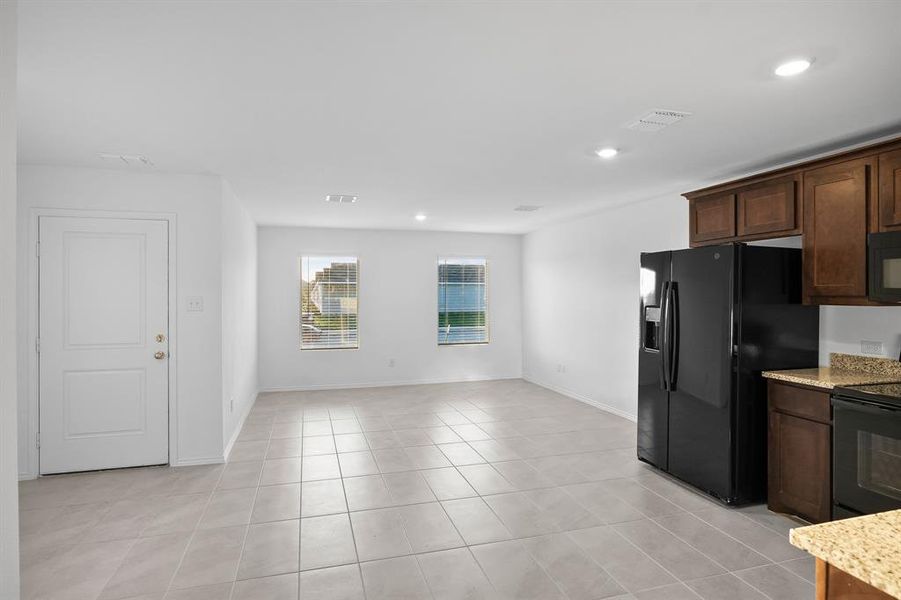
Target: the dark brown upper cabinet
(833, 202)
(890, 191)
(837, 209)
(770, 207)
(712, 218)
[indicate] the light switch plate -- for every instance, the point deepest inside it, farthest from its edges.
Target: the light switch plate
(868, 347)
(195, 303)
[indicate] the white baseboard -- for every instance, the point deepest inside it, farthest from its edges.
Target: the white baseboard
(188, 462)
(584, 399)
(191, 462)
(231, 443)
(376, 384)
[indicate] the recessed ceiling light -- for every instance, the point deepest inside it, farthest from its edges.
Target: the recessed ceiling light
(607, 152)
(420, 217)
(792, 67)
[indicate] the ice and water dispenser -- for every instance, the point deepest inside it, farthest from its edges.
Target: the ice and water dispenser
(651, 334)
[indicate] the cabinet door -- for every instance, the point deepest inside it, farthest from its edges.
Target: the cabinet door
(800, 480)
(836, 210)
(712, 218)
(769, 207)
(890, 190)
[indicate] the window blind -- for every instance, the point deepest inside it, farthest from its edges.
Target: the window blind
(328, 302)
(462, 301)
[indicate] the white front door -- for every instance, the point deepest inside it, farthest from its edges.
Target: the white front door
(103, 343)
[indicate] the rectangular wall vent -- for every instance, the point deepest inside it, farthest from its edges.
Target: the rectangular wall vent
(526, 208)
(657, 119)
(131, 160)
(340, 199)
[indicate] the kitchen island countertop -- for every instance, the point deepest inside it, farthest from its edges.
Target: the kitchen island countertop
(866, 547)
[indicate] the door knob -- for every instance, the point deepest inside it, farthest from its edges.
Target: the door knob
(160, 338)
(159, 355)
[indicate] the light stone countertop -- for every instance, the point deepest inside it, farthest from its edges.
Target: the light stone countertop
(867, 547)
(845, 369)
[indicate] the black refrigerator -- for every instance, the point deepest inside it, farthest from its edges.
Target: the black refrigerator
(712, 319)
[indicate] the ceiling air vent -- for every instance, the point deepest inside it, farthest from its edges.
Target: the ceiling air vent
(131, 160)
(341, 199)
(526, 208)
(657, 119)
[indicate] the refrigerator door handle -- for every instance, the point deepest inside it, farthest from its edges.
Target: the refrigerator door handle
(664, 325)
(674, 338)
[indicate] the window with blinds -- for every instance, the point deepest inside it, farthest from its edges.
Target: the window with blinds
(328, 302)
(462, 301)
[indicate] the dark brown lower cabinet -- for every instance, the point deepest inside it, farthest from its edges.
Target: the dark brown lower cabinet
(835, 584)
(800, 452)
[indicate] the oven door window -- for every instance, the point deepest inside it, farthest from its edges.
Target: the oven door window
(879, 464)
(866, 457)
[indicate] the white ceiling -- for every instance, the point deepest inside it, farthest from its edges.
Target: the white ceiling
(461, 110)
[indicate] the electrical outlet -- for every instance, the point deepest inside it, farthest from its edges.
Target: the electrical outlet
(195, 304)
(391, 362)
(561, 368)
(868, 347)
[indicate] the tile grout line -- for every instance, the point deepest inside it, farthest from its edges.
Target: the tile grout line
(350, 526)
(193, 534)
(249, 518)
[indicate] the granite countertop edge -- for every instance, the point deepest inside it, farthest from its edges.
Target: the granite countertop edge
(844, 369)
(828, 378)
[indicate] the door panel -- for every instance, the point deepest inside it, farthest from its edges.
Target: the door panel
(104, 398)
(711, 218)
(799, 473)
(104, 287)
(653, 400)
(890, 190)
(768, 207)
(700, 406)
(836, 209)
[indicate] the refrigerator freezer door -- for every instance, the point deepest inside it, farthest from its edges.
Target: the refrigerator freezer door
(776, 332)
(700, 405)
(653, 411)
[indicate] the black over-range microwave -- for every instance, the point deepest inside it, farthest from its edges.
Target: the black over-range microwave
(885, 266)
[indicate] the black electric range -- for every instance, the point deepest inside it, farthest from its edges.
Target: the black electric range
(866, 449)
(886, 394)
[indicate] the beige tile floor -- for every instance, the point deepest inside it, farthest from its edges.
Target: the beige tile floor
(500, 490)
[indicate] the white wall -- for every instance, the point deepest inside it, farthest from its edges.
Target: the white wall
(398, 309)
(239, 314)
(196, 201)
(842, 328)
(590, 265)
(9, 497)
(580, 294)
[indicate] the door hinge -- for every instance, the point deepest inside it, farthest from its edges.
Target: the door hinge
(37, 439)
(37, 249)
(37, 345)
